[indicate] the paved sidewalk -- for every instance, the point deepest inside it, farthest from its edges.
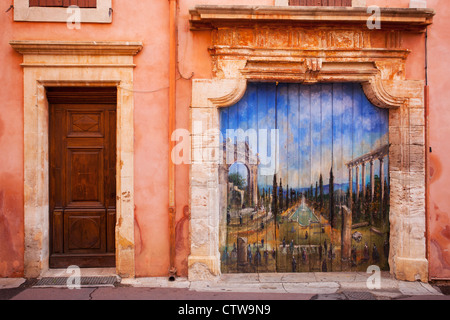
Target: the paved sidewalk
(308, 286)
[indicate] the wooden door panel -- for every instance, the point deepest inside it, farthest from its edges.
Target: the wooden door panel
(82, 146)
(85, 177)
(86, 124)
(84, 231)
(111, 229)
(58, 231)
(110, 158)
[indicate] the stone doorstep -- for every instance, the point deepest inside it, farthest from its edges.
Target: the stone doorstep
(156, 282)
(11, 283)
(418, 289)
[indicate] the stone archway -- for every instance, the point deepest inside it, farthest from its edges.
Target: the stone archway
(240, 153)
(278, 44)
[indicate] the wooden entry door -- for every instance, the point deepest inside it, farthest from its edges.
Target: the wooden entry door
(82, 158)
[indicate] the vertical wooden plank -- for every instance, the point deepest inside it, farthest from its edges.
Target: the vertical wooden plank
(312, 131)
(362, 207)
(304, 132)
(57, 232)
(231, 123)
(293, 116)
(113, 157)
(235, 224)
(281, 103)
(242, 120)
(271, 227)
(259, 213)
(326, 164)
(110, 197)
(229, 253)
(251, 125)
(339, 168)
(358, 147)
(261, 124)
(298, 138)
(347, 150)
(110, 231)
(275, 181)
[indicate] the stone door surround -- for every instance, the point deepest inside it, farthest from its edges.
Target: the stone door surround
(65, 64)
(311, 45)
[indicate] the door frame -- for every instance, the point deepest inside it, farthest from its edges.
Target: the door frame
(50, 63)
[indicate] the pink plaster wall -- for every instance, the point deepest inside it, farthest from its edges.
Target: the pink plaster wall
(147, 21)
(439, 131)
(11, 159)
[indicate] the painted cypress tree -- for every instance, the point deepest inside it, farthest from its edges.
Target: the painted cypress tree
(331, 186)
(287, 196)
(317, 192)
(280, 197)
(321, 191)
(275, 199)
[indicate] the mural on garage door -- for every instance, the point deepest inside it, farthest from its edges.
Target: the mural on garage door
(305, 180)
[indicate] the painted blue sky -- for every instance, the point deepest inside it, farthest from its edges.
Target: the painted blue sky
(319, 126)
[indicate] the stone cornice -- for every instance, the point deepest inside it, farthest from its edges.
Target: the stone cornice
(32, 47)
(214, 16)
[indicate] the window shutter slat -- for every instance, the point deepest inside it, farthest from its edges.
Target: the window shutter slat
(64, 3)
(321, 3)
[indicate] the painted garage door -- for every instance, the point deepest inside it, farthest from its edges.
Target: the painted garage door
(304, 180)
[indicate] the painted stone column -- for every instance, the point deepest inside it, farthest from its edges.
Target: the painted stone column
(372, 180)
(350, 188)
(363, 179)
(357, 183)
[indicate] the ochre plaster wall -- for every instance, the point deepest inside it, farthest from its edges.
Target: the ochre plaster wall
(439, 131)
(148, 21)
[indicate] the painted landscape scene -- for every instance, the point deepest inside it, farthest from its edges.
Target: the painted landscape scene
(309, 193)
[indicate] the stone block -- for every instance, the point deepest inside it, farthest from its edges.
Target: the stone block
(418, 3)
(203, 268)
(359, 3)
(416, 135)
(417, 116)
